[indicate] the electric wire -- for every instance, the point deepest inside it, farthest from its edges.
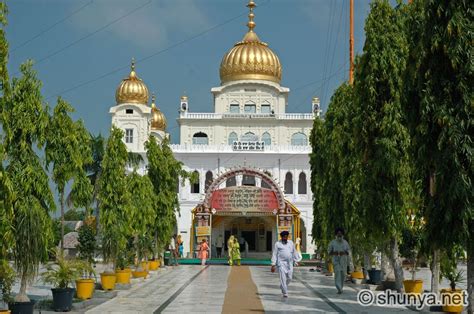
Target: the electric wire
(51, 26)
(139, 60)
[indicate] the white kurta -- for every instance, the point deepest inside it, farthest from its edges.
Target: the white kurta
(339, 262)
(283, 257)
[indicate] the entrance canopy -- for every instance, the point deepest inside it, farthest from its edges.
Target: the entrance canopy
(247, 193)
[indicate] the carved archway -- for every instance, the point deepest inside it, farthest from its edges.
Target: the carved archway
(247, 171)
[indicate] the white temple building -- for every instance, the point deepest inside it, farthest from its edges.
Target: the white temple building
(252, 157)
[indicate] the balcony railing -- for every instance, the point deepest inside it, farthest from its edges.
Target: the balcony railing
(216, 116)
(282, 149)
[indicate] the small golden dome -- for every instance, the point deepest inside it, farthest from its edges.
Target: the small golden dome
(132, 89)
(158, 119)
(250, 59)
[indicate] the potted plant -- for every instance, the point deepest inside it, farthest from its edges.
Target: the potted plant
(409, 248)
(87, 245)
(454, 277)
(122, 273)
(7, 279)
(62, 274)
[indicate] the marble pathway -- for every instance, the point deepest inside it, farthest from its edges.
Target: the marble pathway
(195, 289)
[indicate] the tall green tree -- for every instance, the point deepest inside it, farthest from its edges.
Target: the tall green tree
(142, 213)
(382, 141)
(25, 121)
(165, 173)
(440, 106)
(113, 197)
(67, 149)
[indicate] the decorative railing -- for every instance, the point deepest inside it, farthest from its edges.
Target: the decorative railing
(213, 116)
(193, 148)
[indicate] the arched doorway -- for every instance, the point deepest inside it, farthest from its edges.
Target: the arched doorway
(248, 204)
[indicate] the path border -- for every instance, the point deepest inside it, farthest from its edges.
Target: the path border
(178, 292)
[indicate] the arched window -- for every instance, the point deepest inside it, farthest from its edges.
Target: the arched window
(302, 183)
(249, 136)
(265, 107)
(195, 185)
(232, 138)
(208, 181)
(234, 107)
(250, 107)
(267, 139)
(248, 180)
(299, 139)
(200, 138)
(289, 183)
(230, 182)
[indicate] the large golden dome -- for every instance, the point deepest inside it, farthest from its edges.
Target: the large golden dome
(250, 59)
(132, 89)
(158, 119)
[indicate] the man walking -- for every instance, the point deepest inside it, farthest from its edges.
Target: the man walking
(339, 250)
(283, 257)
(219, 245)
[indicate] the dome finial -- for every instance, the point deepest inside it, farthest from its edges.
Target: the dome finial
(251, 24)
(132, 67)
(153, 98)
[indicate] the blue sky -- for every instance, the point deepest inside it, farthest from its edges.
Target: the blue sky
(183, 41)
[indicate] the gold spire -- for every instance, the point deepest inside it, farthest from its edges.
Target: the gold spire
(132, 89)
(250, 59)
(251, 24)
(158, 119)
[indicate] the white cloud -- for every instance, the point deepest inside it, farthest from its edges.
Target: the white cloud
(150, 26)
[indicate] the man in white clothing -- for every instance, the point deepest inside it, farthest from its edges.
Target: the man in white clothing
(283, 257)
(339, 249)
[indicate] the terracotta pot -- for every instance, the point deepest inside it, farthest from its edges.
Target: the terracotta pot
(85, 288)
(451, 308)
(123, 276)
(108, 281)
(413, 286)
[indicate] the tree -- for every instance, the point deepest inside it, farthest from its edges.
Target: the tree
(142, 211)
(25, 121)
(440, 107)
(67, 149)
(114, 197)
(382, 141)
(164, 172)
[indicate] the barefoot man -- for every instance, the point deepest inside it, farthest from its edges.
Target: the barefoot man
(339, 250)
(283, 257)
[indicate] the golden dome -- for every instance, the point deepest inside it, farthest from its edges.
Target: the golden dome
(132, 89)
(158, 119)
(250, 59)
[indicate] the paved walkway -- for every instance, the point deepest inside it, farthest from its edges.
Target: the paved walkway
(244, 289)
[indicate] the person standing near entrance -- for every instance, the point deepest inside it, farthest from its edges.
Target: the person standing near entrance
(203, 252)
(219, 245)
(230, 244)
(283, 258)
(236, 252)
(173, 251)
(339, 250)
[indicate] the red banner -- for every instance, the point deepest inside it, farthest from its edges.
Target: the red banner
(244, 198)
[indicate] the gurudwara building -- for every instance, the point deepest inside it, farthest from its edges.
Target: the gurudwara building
(251, 156)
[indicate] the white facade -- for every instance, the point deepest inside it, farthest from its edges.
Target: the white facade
(207, 145)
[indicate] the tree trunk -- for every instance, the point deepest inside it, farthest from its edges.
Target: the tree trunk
(367, 265)
(397, 265)
(384, 265)
(61, 200)
(470, 270)
(435, 272)
(22, 296)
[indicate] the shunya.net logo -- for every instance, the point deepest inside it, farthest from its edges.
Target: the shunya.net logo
(367, 297)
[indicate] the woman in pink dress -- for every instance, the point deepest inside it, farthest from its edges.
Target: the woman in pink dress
(203, 251)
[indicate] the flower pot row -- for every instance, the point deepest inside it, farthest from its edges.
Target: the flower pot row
(108, 280)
